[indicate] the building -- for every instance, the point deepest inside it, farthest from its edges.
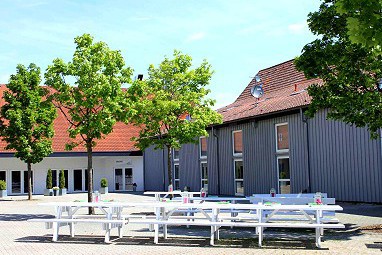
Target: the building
(115, 158)
(268, 142)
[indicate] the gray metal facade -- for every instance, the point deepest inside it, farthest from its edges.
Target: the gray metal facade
(326, 156)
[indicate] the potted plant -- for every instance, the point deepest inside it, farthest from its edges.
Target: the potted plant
(3, 188)
(104, 186)
(62, 183)
(55, 190)
(49, 184)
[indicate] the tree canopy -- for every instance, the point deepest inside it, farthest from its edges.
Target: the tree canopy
(350, 72)
(27, 118)
(170, 105)
(89, 93)
(364, 21)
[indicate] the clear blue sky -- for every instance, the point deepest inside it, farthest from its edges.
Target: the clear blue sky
(237, 37)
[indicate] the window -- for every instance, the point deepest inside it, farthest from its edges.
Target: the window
(239, 177)
(203, 147)
(282, 141)
(204, 175)
(19, 182)
(56, 179)
(283, 174)
(237, 143)
(176, 177)
(80, 180)
(175, 154)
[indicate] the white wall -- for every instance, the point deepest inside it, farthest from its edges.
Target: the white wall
(103, 167)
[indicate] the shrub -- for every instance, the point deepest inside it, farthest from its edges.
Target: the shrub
(104, 183)
(49, 179)
(3, 185)
(62, 179)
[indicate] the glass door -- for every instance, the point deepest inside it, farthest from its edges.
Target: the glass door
(123, 179)
(19, 182)
(80, 179)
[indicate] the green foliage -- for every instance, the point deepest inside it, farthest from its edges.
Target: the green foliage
(3, 185)
(104, 183)
(26, 117)
(161, 103)
(49, 179)
(350, 72)
(62, 179)
(364, 21)
(96, 102)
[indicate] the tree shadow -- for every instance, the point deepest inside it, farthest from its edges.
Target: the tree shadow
(24, 217)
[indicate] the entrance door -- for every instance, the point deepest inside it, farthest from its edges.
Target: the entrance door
(80, 180)
(19, 180)
(123, 179)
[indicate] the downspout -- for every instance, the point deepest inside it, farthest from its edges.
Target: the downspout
(218, 158)
(305, 120)
(164, 171)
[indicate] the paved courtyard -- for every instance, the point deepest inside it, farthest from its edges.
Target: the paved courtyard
(17, 236)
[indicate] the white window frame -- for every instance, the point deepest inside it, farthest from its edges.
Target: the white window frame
(233, 143)
(173, 154)
(202, 185)
(277, 138)
(200, 147)
(178, 179)
(124, 168)
(83, 174)
(235, 179)
(278, 173)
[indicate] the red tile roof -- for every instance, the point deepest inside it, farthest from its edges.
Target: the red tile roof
(284, 88)
(117, 141)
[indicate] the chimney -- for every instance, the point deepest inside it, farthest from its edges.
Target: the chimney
(295, 87)
(140, 77)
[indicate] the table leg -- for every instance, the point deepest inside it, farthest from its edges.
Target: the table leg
(260, 229)
(55, 231)
(71, 225)
(318, 229)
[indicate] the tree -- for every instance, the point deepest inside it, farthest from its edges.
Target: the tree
(27, 118)
(49, 179)
(170, 106)
(363, 21)
(350, 72)
(61, 179)
(96, 102)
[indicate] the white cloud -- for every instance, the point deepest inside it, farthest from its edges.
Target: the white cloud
(298, 28)
(196, 37)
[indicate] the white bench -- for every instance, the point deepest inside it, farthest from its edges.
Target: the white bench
(260, 226)
(57, 223)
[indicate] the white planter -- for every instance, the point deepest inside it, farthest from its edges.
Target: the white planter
(3, 193)
(104, 190)
(48, 192)
(62, 192)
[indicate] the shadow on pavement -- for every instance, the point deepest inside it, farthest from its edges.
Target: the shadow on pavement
(24, 217)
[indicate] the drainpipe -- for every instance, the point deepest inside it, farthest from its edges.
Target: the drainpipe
(305, 120)
(217, 156)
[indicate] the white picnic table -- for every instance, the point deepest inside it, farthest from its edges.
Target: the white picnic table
(211, 214)
(159, 195)
(213, 218)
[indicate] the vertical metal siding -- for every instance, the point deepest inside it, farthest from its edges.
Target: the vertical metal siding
(347, 163)
(153, 163)
(189, 167)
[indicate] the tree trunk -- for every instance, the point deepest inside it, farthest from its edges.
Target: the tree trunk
(89, 150)
(29, 181)
(169, 165)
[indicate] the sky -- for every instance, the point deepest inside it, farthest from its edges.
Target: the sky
(237, 37)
